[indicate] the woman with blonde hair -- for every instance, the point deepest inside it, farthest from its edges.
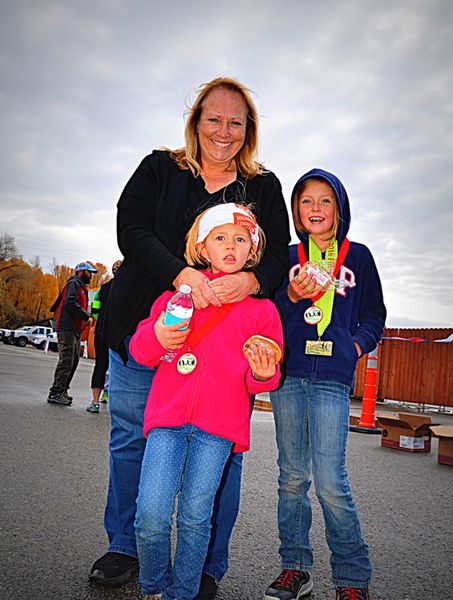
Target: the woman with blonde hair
(155, 212)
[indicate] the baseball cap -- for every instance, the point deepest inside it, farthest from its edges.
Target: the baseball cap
(84, 266)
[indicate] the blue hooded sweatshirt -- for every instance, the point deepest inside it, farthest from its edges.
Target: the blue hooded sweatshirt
(358, 310)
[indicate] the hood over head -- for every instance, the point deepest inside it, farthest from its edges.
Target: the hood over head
(340, 195)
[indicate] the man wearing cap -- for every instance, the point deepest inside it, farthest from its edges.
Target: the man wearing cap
(71, 317)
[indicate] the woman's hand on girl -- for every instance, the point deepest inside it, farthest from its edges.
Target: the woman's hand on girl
(202, 293)
(170, 336)
(234, 287)
(262, 363)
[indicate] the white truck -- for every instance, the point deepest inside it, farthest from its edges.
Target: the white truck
(46, 342)
(26, 335)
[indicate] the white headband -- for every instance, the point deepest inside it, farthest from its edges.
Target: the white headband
(228, 213)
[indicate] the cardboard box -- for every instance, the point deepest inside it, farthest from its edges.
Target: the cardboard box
(445, 449)
(354, 421)
(410, 433)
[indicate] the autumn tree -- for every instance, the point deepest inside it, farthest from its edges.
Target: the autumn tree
(8, 248)
(11, 272)
(26, 293)
(61, 273)
(99, 278)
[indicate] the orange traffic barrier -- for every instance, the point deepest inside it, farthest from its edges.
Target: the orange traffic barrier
(367, 418)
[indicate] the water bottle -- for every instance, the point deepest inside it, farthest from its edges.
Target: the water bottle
(179, 308)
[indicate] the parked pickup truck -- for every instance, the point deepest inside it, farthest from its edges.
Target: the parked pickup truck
(50, 341)
(4, 332)
(25, 335)
(7, 334)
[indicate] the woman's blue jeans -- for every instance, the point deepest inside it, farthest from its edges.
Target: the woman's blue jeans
(188, 461)
(312, 424)
(128, 390)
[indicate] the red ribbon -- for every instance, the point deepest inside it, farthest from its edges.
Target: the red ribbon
(340, 260)
(206, 327)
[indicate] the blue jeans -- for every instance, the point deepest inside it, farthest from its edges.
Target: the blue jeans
(128, 390)
(312, 424)
(189, 461)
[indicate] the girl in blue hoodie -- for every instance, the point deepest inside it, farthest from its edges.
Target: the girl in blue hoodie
(331, 316)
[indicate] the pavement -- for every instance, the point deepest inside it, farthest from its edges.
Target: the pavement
(54, 474)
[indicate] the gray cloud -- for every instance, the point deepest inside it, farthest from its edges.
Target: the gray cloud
(359, 88)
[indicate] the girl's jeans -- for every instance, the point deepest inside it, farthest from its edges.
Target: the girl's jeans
(312, 424)
(128, 390)
(190, 461)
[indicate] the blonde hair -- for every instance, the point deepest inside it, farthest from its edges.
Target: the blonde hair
(246, 159)
(296, 213)
(193, 254)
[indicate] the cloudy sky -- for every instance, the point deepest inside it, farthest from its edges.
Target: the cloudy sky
(361, 88)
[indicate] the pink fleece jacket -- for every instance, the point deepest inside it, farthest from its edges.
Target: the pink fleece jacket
(215, 396)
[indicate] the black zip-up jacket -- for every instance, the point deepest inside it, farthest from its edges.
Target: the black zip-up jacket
(70, 308)
(155, 212)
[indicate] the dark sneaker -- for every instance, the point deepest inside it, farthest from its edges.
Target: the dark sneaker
(350, 593)
(113, 568)
(289, 585)
(93, 408)
(208, 588)
(66, 395)
(59, 399)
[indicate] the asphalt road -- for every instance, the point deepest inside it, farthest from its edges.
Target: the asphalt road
(54, 473)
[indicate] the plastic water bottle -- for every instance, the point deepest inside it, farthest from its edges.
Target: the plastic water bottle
(179, 308)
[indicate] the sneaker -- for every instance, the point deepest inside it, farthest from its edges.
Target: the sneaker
(93, 408)
(113, 569)
(104, 397)
(208, 588)
(59, 399)
(290, 585)
(350, 593)
(66, 395)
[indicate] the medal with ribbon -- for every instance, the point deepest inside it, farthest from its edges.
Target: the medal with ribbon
(320, 312)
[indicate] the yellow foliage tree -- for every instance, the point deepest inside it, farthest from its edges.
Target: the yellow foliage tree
(26, 293)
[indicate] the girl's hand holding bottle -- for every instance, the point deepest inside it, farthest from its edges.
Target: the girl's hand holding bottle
(171, 337)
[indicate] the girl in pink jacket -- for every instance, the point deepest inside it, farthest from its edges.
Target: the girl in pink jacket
(193, 420)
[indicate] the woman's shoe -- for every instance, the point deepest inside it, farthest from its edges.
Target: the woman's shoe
(208, 588)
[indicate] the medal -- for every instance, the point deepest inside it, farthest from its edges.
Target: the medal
(186, 363)
(318, 347)
(313, 315)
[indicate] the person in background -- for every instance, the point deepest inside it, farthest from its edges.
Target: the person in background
(197, 414)
(155, 211)
(101, 364)
(71, 317)
(333, 312)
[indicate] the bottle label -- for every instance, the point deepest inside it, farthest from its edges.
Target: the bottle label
(180, 314)
(179, 308)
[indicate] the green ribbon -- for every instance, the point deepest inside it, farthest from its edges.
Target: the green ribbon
(325, 302)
